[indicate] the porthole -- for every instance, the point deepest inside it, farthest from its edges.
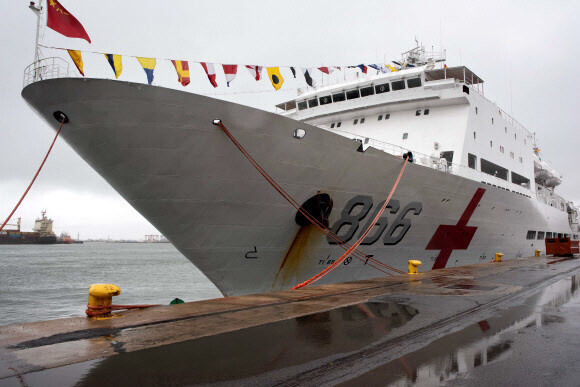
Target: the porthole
(299, 133)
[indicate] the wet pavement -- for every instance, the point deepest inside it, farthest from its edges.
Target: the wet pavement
(501, 324)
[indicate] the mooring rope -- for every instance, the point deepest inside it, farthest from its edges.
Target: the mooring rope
(35, 175)
(358, 242)
(343, 244)
(104, 309)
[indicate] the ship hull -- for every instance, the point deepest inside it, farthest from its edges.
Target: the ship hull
(160, 150)
(27, 240)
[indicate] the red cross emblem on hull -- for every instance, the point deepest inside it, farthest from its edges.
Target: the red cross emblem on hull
(458, 237)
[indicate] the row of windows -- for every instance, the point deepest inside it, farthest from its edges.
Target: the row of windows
(501, 149)
(497, 171)
(539, 235)
(358, 93)
(380, 118)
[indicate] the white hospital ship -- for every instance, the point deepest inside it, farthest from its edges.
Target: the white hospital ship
(477, 185)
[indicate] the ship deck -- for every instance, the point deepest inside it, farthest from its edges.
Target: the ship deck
(469, 321)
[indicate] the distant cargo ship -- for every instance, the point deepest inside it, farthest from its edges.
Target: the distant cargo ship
(41, 234)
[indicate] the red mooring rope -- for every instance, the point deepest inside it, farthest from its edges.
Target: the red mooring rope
(358, 242)
(343, 244)
(100, 310)
(35, 175)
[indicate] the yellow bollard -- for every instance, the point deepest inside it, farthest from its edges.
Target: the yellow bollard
(413, 266)
(101, 295)
(497, 257)
(537, 253)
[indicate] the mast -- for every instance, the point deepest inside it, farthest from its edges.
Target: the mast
(37, 12)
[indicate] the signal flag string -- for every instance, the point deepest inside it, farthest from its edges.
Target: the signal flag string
(343, 244)
(36, 174)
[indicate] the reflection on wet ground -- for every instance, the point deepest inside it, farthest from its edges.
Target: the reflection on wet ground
(489, 341)
(385, 341)
(254, 351)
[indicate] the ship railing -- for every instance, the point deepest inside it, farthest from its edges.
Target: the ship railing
(430, 161)
(47, 68)
(437, 163)
(506, 116)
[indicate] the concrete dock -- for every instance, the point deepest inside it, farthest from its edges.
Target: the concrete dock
(439, 326)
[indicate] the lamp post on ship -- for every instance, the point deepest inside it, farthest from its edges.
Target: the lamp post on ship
(37, 11)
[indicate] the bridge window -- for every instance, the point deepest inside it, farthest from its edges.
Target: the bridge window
(405, 136)
(313, 102)
(472, 161)
(426, 111)
(362, 120)
(332, 125)
(387, 116)
(384, 88)
(301, 105)
(548, 234)
(355, 121)
(540, 235)
(418, 113)
(338, 125)
(520, 180)
(493, 169)
(366, 91)
(352, 94)
(325, 100)
(465, 89)
(398, 85)
(414, 82)
(380, 117)
(531, 235)
(338, 97)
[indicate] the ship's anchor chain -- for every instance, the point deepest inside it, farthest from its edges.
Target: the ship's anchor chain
(325, 230)
(62, 118)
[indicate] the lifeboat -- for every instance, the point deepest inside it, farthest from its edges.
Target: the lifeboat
(544, 174)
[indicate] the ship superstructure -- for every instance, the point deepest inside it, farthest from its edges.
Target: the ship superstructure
(443, 117)
(472, 190)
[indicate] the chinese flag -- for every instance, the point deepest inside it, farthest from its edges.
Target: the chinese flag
(60, 20)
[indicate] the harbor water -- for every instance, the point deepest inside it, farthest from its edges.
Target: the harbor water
(42, 282)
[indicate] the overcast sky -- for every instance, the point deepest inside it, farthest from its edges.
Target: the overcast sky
(526, 52)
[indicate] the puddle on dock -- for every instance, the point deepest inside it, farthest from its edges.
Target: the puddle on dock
(276, 352)
(248, 352)
(489, 341)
